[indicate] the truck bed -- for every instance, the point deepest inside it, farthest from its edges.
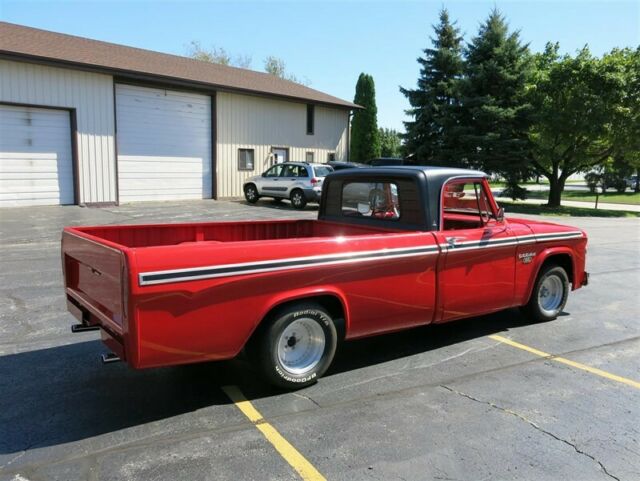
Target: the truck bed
(135, 236)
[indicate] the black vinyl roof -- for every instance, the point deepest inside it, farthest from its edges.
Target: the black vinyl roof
(429, 181)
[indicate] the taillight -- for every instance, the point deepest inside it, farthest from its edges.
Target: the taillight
(315, 181)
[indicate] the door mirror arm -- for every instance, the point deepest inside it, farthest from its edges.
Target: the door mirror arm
(500, 216)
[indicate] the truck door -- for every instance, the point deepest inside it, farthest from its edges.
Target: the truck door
(478, 266)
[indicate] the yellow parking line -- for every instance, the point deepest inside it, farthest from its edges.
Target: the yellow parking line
(291, 455)
(568, 362)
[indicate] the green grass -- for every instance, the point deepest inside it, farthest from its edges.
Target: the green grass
(629, 198)
(518, 208)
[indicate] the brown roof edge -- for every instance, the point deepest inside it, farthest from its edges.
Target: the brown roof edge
(29, 44)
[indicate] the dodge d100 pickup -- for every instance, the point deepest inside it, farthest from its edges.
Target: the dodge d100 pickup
(393, 248)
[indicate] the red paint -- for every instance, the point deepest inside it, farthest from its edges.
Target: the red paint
(206, 319)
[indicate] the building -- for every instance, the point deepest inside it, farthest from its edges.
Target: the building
(94, 123)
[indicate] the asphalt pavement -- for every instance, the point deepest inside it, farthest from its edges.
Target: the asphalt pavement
(485, 398)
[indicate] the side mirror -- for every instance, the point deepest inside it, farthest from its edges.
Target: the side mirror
(500, 217)
(264, 174)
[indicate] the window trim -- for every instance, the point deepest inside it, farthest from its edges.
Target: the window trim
(311, 119)
(253, 159)
(466, 178)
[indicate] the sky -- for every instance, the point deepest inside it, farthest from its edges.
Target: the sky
(330, 43)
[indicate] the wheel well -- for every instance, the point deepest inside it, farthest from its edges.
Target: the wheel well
(331, 303)
(249, 184)
(562, 260)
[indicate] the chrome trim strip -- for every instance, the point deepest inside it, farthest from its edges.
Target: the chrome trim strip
(227, 270)
(211, 272)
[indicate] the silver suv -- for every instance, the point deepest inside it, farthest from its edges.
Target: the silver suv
(297, 181)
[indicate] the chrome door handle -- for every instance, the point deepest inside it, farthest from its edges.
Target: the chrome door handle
(452, 241)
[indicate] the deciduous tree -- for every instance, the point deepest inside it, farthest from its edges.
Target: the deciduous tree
(577, 102)
(390, 143)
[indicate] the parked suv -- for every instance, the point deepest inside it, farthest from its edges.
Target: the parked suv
(297, 181)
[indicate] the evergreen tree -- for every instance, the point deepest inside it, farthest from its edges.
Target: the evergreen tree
(495, 116)
(430, 136)
(365, 140)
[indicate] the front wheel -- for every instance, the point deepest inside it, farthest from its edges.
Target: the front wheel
(298, 200)
(297, 347)
(549, 295)
(251, 194)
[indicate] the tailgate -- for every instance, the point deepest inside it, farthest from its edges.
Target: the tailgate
(94, 280)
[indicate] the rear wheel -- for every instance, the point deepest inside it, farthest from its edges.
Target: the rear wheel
(297, 347)
(251, 193)
(298, 200)
(549, 295)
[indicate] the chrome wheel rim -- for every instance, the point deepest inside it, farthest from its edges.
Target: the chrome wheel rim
(251, 193)
(301, 346)
(550, 295)
(297, 198)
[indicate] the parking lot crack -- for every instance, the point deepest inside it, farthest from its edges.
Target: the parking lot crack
(534, 425)
(307, 398)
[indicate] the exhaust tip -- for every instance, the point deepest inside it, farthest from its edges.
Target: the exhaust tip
(109, 358)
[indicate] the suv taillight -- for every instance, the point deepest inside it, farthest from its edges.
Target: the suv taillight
(315, 181)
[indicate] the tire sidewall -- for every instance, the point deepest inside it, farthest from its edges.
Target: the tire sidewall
(302, 203)
(552, 270)
(246, 195)
(275, 370)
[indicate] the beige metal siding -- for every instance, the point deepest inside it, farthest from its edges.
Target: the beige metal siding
(92, 97)
(256, 123)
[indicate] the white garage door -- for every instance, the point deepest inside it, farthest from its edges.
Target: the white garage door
(36, 166)
(164, 144)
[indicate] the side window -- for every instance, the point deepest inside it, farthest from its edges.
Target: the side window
(302, 171)
(374, 200)
(464, 205)
(274, 171)
(245, 159)
(290, 171)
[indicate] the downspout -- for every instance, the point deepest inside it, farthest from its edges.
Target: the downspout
(349, 135)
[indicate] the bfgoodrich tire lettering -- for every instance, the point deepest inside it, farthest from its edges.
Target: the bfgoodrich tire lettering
(549, 295)
(297, 345)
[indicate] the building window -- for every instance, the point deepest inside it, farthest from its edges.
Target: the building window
(309, 158)
(245, 159)
(310, 118)
(331, 157)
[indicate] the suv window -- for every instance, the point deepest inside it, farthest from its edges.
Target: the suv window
(322, 171)
(374, 200)
(294, 171)
(274, 171)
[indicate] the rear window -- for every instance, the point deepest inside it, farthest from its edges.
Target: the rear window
(376, 200)
(322, 171)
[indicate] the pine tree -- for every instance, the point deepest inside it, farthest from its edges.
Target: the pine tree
(365, 141)
(430, 136)
(495, 116)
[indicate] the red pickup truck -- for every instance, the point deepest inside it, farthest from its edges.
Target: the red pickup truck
(393, 248)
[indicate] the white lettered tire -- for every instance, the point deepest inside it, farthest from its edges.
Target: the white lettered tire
(549, 295)
(296, 346)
